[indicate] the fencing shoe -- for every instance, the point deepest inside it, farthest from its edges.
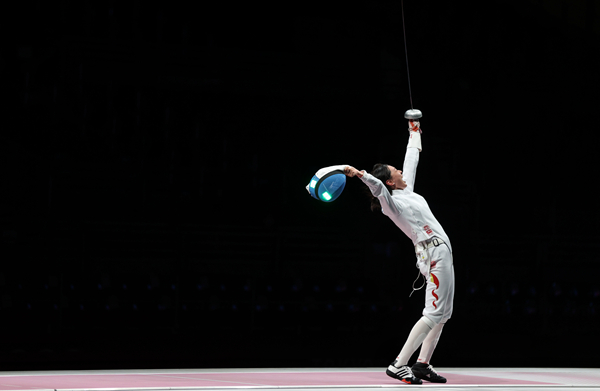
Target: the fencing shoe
(402, 373)
(426, 372)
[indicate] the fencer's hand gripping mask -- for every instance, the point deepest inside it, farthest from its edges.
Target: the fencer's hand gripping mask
(328, 183)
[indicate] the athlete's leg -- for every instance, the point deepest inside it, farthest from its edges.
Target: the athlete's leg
(433, 337)
(416, 337)
(430, 343)
(438, 306)
(399, 368)
(439, 296)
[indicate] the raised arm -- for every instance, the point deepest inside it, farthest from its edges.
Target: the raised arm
(411, 159)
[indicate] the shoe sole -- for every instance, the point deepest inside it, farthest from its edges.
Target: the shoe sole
(434, 381)
(430, 380)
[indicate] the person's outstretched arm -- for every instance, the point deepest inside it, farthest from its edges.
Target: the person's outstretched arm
(377, 188)
(411, 159)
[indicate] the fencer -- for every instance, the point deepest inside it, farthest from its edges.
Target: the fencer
(393, 193)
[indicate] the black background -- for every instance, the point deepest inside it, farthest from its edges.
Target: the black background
(155, 156)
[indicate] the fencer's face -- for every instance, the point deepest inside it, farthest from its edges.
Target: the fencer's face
(396, 180)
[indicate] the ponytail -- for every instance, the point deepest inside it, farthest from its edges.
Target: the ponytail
(383, 173)
(375, 204)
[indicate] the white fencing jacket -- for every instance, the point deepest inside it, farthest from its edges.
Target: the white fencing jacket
(408, 210)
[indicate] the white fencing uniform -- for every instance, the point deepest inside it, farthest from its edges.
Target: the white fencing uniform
(410, 212)
(439, 296)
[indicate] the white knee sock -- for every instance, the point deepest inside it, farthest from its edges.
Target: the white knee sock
(415, 339)
(430, 343)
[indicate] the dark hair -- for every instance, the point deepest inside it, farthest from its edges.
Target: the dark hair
(383, 173)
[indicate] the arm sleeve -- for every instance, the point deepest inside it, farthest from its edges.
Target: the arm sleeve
(378, 189)
(409, 169)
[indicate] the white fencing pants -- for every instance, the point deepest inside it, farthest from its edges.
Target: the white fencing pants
(437, 266)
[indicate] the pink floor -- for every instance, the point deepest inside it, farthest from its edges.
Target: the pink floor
(231, 379)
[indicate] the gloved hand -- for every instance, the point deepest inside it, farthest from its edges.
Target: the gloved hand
(351, 171)
(414, 130)
(414, 126)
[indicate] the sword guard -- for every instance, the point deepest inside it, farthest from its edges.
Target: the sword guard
(413, 114)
